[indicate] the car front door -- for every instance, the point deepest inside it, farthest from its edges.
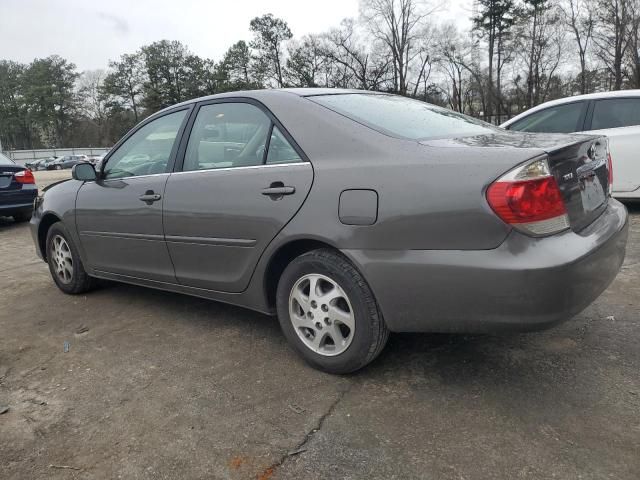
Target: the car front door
(241, 180)
(119, 216)
(619, 120)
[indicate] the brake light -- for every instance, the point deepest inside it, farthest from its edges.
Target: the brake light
(24, 176)
(529, 199)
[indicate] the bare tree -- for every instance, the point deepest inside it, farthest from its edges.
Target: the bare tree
(399, 25)
(634, 45)
(539, 36)
(367, 66)
(578, 17)
(612, 35)
(494, 23)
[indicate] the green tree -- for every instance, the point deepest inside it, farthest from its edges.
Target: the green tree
(15, 130)
(50, 96)
(123, 86)
(269, 34)
(237, 63)
(306, 61)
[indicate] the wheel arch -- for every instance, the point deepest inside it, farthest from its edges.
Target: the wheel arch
(284, 255)
(47, 220)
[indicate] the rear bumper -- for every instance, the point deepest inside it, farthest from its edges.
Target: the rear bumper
(525, 284)
(18, 203)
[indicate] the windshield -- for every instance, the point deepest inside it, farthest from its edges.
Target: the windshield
(4, 160)
(403, 117)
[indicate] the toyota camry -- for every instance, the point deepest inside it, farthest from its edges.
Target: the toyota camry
(348, 214)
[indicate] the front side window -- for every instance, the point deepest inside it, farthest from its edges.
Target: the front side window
(559, 119)
(403, 117)
(227, 135)
(148, 150)
(280, 150)
(616, 113)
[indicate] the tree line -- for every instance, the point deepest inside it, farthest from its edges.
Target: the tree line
(517, 54)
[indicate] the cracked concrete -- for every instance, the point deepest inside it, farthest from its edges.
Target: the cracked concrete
(163, 386)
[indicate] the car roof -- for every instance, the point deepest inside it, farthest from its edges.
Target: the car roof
(575, 98)
(266, 93)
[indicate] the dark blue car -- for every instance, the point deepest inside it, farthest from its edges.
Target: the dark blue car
(17, 190)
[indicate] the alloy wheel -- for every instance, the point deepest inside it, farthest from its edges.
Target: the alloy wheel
(321, 314)
(62, 259)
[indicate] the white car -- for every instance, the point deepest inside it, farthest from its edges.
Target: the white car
(614, 114)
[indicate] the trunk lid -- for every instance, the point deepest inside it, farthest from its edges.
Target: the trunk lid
(7, 181)
(578, 163)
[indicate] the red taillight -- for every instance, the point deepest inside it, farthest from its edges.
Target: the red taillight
(529, 199)
(24, 176)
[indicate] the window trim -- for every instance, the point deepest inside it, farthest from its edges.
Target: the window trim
(135, 129)
(178, 165)
(579, 123)
(588, 126)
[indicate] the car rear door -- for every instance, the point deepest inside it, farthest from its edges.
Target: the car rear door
(241, 178)
(619, 120)
(119, 216)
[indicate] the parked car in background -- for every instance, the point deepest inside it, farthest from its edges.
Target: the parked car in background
(348, 213)
(17, 190)
(95, 159)
(67, 161)
(34, 164)
(44, 164)
(614, 114)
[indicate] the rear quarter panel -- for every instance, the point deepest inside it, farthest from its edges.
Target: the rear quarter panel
(430, 196)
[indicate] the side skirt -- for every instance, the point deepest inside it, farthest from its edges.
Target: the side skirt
(237, 299)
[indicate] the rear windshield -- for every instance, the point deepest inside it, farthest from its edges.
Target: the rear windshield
(403, 117)
(4, 160)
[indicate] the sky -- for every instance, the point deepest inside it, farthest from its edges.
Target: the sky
(91, 32)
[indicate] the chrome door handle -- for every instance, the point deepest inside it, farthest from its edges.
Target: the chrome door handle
(278, 191)
(149, 197)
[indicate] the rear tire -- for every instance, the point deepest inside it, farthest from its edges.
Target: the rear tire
(64, 262)
(337, 326)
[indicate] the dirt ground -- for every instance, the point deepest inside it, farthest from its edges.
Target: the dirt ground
(157, 385)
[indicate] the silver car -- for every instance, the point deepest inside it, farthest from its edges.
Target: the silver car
(349, 214)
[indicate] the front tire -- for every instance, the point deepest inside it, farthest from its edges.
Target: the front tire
(64, 262)
(58, 167)
(328, 313)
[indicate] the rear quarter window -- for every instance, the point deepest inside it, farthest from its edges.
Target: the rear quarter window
(403, 117)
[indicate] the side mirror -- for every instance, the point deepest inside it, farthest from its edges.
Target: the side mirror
(85, 172)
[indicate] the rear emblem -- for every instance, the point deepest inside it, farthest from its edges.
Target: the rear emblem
(568, 176)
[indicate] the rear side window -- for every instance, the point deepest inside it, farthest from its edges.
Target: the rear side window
(227, 135)
(616, 113)
(403, 117)
(559, 119)
(280, 150)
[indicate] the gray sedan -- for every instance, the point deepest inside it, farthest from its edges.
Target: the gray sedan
(348, 214)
